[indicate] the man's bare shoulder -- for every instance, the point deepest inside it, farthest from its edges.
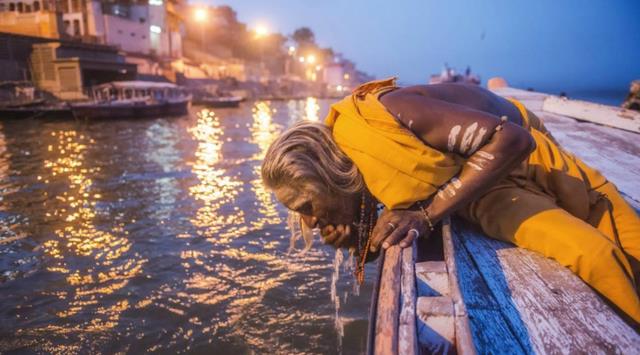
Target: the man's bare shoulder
(461, 95)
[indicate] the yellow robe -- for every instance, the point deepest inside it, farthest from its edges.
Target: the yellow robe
(552, 203)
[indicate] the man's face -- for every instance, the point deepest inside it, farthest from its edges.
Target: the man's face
(319, 207)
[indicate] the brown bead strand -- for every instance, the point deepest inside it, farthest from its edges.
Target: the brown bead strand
(362, 232)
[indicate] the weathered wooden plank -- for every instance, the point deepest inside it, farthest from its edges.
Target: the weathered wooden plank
(407, 333)
(613, 151)
(601, 327)
(588, 111)
(464, 340)
(387, 317)
(491, 332)
(436, 329)
(432, 278)
(553, 321)
(373, 308)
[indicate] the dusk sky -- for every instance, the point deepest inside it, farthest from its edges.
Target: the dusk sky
(553, 45)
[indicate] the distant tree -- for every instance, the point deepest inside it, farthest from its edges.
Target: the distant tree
(303, 36)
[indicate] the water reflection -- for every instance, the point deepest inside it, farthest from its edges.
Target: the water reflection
(308, 109)
(158, 235)
(311, 109)
(89, 258)
(164, 152)
(263, 132)
(216, 189)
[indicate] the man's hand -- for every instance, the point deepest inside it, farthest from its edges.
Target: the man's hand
(395, 226)
(338, 236)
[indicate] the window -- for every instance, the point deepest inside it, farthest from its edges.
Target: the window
(12, 6)
(27, 8)
(20, 7)
(36, 6)
(76, 28)
(2, 7)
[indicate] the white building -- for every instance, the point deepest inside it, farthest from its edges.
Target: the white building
(148, 27)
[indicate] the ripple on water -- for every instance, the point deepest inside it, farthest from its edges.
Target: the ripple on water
(131, 236)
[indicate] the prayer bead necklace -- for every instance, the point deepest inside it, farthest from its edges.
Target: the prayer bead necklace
(364, 235)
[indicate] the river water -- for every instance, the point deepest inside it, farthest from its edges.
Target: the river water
(132, 236)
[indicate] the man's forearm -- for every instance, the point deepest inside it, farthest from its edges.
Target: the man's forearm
(483, 169)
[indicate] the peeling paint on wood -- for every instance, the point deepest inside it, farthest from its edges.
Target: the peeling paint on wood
(464, 339)
(408, 335)
(432, 278)
(386, 338)
(436, 331)
(588, 111)
(544, 302)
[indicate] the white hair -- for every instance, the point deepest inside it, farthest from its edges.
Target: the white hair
(306, 154)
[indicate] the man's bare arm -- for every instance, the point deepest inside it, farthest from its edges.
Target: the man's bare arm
(491, 146)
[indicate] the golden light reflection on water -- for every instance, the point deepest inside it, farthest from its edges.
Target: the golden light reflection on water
(73, 214)
(311, 109)
(215, 188)
(5, 157)
(263, 133)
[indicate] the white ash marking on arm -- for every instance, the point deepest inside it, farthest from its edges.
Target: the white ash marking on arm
(474, 166)
(450, 190)
(453, 137)
(479, 161)
(485, 155)
(456, 183)
(410, 123)
(477, 140)
(467, 138)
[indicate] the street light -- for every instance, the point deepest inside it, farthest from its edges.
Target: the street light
(261, 31)
(311, 59)
(201, 16)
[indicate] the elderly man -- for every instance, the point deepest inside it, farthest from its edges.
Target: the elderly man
(428, 151)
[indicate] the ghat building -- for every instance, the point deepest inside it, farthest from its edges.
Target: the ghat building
(65, 45)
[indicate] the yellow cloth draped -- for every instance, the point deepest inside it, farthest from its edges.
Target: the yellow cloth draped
(398, 168)
(552, 203)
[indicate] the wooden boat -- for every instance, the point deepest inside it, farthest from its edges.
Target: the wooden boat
(60, 111)
(587, 111)
(218, 101)
(462, 292)
(133, 99)
(21, 100)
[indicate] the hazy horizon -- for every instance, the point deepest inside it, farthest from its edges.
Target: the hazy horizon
(547, 45)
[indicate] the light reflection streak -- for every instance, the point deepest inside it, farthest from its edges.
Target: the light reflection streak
(240, 276)
(263, 132)
(311, 109)
(215, 188)
(73, 213)
(165, 154)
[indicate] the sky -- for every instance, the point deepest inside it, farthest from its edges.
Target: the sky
(559, 45)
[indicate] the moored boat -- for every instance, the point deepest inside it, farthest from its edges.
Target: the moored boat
(60, 111)
(133, 99)
(218, 101)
